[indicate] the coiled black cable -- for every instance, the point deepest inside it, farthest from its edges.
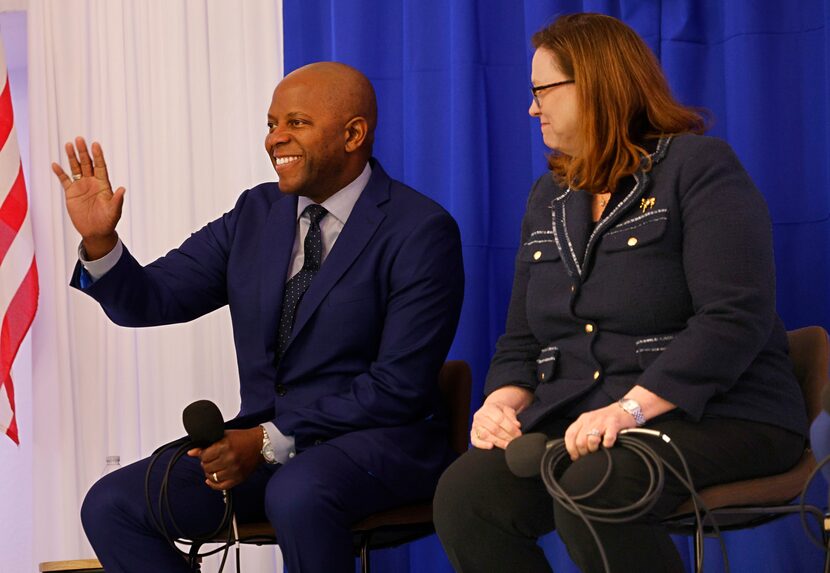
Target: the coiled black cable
(629, 439)
(165, 512)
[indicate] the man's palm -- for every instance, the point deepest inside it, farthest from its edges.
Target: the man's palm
(93, 207)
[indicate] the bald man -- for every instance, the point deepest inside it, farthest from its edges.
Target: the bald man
(344, 288)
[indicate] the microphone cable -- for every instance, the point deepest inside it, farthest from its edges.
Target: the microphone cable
(165, 512)
(630, 439)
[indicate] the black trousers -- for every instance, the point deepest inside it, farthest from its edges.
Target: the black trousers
(490, 520)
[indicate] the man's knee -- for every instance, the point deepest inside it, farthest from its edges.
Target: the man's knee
(100, 506)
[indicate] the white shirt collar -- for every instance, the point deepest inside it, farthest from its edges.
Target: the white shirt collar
(340, 204)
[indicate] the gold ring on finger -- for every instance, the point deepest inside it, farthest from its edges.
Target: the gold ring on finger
(76, 177)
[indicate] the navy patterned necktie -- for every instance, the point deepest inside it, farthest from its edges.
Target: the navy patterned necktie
(297, 285)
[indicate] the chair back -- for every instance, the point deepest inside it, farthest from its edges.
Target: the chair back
(455, 381)
(810, 358)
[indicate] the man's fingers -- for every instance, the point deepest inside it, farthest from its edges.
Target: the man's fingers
(74, 164)
(118, 200)
(223, 485)
(62, 176)
(209, 457)
(83, 153)
(99, 165)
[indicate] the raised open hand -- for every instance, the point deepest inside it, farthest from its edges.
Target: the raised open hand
(92, 206)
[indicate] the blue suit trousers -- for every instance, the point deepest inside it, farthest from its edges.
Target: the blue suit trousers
(311, 502)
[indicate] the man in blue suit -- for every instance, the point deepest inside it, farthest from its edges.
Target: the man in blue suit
(344, 288)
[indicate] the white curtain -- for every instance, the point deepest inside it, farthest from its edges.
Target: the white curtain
(177, 93)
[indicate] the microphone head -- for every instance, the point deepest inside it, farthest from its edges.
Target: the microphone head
(524, 454)
(203, 423)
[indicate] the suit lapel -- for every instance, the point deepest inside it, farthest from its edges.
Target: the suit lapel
(278, 237)
(571, 226)
(641, 181)
(363, 222)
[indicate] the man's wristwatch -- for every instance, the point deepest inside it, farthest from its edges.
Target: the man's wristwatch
(267, 450)
(633, 408)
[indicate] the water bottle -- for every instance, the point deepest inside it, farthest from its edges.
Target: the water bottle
(113, 463)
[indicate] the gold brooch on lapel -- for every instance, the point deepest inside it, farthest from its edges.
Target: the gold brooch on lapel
(646, 204)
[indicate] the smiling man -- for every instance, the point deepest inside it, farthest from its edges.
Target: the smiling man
(344, 288)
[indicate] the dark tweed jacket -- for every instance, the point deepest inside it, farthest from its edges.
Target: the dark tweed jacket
(673, 289)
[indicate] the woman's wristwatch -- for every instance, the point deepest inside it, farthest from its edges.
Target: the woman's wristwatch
(633, 407)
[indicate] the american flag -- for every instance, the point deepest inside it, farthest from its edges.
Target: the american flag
(18, 270)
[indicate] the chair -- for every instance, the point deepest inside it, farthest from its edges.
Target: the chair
(403, 524)
(745, 504)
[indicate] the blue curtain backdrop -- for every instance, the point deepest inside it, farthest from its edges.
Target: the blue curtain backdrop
(452, 79)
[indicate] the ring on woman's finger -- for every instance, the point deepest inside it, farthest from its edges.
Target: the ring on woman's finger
(75, 176)
(478, 433)
(595, 432)
(215, 477)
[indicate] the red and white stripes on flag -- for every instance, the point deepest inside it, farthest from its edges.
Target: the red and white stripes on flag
(18, 271)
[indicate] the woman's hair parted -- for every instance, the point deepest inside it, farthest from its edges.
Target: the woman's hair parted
(623, 96)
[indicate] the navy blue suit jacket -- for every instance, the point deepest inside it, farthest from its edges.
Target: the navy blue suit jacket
(370, 334)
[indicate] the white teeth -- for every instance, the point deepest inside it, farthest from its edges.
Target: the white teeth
(286, 160)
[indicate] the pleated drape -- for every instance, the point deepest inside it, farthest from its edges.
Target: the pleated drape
(452, 80)
(177, 92)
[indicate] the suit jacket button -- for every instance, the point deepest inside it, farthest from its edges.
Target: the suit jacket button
(281, 390)
(632, 241)
(537, 255)
(596, 374)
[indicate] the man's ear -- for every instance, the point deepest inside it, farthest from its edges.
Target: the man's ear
(356, 130)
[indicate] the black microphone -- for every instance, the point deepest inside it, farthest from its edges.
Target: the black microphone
(203, 423)
(524, 454)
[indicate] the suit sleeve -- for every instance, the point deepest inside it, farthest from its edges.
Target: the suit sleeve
(421, 315)
(729, 269)
(186, 283)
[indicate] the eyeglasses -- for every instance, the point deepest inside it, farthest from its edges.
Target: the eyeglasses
(536, 89)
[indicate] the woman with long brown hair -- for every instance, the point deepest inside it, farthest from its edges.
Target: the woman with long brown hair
(644, 295)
